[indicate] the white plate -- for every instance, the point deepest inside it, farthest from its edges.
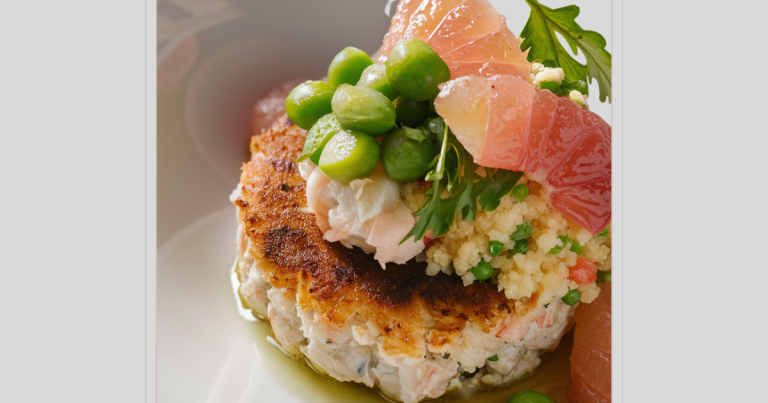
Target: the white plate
(216, 57)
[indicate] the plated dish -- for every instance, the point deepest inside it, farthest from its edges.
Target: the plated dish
(430, 219)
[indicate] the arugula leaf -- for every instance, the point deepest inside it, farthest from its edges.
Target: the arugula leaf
(540, 30)
(495, 186)
(456, 188)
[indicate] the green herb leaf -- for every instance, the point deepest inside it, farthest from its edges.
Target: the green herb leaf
(604, 232)
(549, 63)
(494, 358)
(414, 134)
(522, 231)
(456, 188)
(564, 239)
(576, 247)
(495, 186)
(521, 246)
(539, 34)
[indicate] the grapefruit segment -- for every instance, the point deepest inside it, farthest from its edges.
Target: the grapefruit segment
(496, 53)
(469, 35)
(469, 21)
(471, 95)
(506, 131)
(564, 135)
(427, 16)
(590, 159)
(505, 122)
(542, 118)
(591, 355)
(588, 205)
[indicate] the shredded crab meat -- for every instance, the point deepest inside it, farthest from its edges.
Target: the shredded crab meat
(367, 213)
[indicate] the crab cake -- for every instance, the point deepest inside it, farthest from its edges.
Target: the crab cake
(411, 334)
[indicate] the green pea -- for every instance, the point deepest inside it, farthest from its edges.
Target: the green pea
(308, 102)
(604, 232)
(349, 155)
(318, 136)
(521, 246)
(364, 109)
(483, 270)
(411, 113)
(564, 239)
(520, 192)
(522, 231)
(348, 66)
(550, 85)
(375, 76)
(414, 70)
(495, 247)
(494, 358)
(406, 153)
(530, 396)
(603, 276)
(571, 297)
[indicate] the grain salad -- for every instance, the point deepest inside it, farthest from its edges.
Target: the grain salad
(520, 275)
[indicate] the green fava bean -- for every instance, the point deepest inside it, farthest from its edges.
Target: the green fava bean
(411, 113)
(364, 109)
(530, 396)
(375, 76)
(308, 102)
(406, 153)
(349, 155)
(414, 70)
(348, 66)
(318, 136)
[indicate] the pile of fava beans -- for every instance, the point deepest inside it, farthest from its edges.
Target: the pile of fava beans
(369, 112)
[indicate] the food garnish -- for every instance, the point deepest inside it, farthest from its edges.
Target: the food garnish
(308, 102)
(572, 297)
(348, 66)
(542, 44)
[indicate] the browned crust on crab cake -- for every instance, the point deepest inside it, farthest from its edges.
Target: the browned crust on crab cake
(338, 282)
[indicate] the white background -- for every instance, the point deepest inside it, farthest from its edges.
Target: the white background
(77, 207)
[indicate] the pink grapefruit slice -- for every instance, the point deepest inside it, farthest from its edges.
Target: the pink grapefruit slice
(469, 35)
(591, 355)
(505, 122)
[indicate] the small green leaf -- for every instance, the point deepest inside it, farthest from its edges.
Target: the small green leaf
(576, 247)
(522, 231)
(540, 38)
(564, 239)
(521, 247)
(318, 135)
(494, 358)
(549, 63)
(414, 134)
(550, 85)
(496, 186)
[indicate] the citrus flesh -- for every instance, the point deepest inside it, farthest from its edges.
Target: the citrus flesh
(591, 355)
(505, 122)
(470, 36)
